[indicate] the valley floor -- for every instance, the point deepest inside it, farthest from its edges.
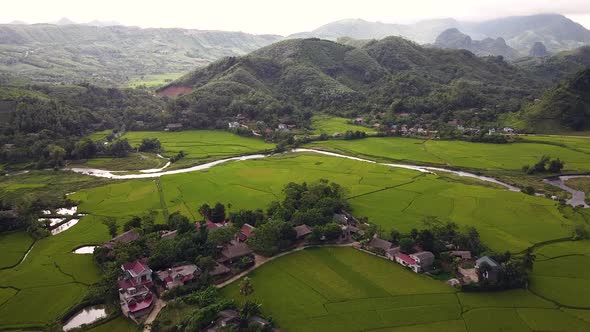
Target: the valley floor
(336, 288)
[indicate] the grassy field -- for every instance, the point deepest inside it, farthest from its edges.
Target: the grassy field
(507, 157)
(13, 247)
(392, 198)
(341, 289)
(331, 125)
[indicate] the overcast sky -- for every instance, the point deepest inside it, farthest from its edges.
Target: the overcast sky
(278, 17)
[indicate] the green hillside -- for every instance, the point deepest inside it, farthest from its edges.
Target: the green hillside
(302, 76)
(565, 107)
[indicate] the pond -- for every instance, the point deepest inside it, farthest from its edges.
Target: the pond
(85, 250)
(67, 211)
(86, 316)
(63, 227)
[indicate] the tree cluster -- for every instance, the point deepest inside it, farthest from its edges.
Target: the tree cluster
(545, 165)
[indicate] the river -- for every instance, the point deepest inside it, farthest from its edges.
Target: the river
(578, 197)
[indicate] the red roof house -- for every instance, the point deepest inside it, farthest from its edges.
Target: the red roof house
(137, 273)
(246, 232)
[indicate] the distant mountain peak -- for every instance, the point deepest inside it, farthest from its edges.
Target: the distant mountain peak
(455, 39)
(64, 21)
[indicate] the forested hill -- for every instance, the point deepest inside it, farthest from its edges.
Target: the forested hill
(311, 75)
(112, 55)
(565, 107)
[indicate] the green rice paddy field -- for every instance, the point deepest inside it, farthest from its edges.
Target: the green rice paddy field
(481, 156)
(199, 146)
(341, 289)
(392, 198)
(13, 246)
(331, 125)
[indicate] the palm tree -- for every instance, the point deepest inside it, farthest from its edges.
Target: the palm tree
(246, 287)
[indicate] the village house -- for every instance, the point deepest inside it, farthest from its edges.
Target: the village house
(379, 245)
(463, 254)
(123, 238)
(173, 127)
(282, 126)
(302, 231)
(392, 252)
(135, 296)
(359, 121)
(211, 225)
(488, 268)
(418, 262)
(178, 276)
(233, 125)
(405, 260)
(234, 251)
(219, 270)
(245, 232)
(424, 260)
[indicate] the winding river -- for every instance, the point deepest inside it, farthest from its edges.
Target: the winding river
(161, 172)
(578, 197)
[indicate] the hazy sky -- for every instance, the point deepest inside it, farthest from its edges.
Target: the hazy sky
(279, 17)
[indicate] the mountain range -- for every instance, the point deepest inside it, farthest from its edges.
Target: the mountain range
(555, 31)
(112, 55)
(107, 54)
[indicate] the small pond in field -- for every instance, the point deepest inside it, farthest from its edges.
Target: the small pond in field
(85, 250)
(85, 316)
